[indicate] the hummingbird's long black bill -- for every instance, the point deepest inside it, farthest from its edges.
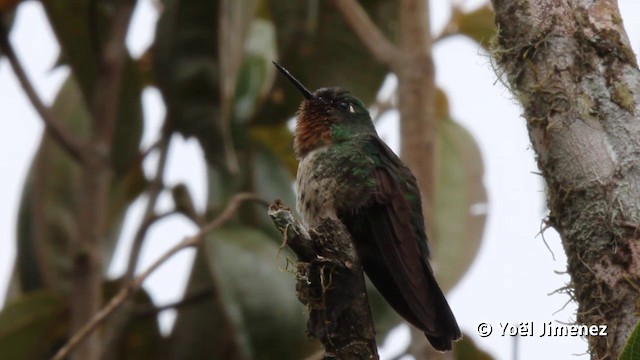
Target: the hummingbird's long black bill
(305, 92)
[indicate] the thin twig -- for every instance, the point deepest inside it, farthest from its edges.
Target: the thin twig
(368, 33)
(119, 320)
(146, 152)
(136, 283)
(57, 129)
(154, 190)
(380, 108)
(188, 299)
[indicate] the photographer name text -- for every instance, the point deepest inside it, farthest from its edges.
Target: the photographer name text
(542, 329)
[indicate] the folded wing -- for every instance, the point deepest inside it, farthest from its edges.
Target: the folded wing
(392, 243)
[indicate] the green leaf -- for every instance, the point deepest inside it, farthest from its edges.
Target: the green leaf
(631, 350)
(257, 71)
(140, 338)
(257, 295)
(203, 330)
(460, 202)
(47, 221)
(468, 349)
(81, 33)
(32, 327)
(35, 325)
(253, 308)
(279, 140)
(187, 70)
(477, 24)
(199, 49)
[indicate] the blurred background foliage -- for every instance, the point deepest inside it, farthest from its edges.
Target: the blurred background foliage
(211, 60)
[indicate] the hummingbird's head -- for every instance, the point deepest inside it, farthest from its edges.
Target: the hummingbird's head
(327, 116)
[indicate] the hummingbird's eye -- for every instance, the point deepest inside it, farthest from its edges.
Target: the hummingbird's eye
(345, 106)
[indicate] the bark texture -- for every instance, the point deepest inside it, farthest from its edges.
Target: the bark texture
(330, 282)
(569, 63)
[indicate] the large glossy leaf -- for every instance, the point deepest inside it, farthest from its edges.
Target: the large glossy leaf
(317, 46)
(468, 349)
(631, 348)
(187, 70)
(47, 224)
(141, 338)
(254, 313)
(460, 202)
(257, 71)
(35, 325)
(32, 327)
(279, 140)
(477, 24)
(203, 329)
(258, 295)
(81, 27)
(198, 54)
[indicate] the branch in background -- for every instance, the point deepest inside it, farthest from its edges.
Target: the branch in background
(136, 283)
(58, 131)
(189, 299)
(380, 107)
(149, 217)
(416, 103)
(412, 62)
(113, 55)
(113, 332)
(368, 33)
(96, 176)
(331, 284)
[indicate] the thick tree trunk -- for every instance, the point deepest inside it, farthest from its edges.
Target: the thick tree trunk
(570, 65)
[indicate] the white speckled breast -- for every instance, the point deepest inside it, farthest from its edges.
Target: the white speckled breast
(325, 184)
(315, 190)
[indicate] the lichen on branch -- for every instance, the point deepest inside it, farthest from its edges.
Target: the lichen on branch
(569, 64)
(330, 282)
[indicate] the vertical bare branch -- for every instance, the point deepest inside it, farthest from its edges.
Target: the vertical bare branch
(416, 95)
(153, 192)
(411, 60)
(416, 103)
(86, 297)
(104, 105)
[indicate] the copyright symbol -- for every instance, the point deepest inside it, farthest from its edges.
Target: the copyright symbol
(484, 329)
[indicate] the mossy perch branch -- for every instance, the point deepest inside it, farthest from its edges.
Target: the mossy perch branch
(331, 284)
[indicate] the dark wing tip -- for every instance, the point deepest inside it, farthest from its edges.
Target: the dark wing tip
(440, 343)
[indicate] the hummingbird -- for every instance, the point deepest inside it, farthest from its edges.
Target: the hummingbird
(347, 173)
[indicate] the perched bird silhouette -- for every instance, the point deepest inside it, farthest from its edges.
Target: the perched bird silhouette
(347, 172)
